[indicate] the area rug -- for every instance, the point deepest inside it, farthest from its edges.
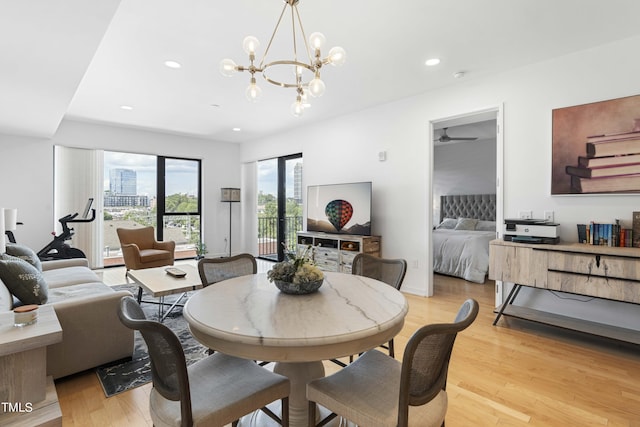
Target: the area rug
(124, 375)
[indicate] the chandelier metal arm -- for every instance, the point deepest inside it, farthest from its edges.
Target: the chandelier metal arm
(299, 82)
(294, 9)
(273, 35)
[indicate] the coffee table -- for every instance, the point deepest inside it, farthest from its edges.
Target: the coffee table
(157, 282)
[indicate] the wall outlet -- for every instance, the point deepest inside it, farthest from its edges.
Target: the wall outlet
(548, 215)
(525, 214)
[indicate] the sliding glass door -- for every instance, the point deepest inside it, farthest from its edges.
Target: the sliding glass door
(279, 205)
(146, 190)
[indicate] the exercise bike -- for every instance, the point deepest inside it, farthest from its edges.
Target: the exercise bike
(58, 248)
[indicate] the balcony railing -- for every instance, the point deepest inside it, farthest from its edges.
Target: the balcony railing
(268, 235)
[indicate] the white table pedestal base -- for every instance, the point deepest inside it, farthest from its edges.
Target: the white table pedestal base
(299, 374)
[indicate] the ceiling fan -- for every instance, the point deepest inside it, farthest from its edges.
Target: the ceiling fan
(446, 138)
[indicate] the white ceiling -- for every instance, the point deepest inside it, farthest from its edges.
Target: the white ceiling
(83, 59)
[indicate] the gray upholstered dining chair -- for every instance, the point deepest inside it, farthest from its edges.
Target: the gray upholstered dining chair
(389, 271)
(214, 391)
(377, 390)
(214, 270)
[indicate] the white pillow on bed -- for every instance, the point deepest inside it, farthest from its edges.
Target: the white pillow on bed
(486, 226)
(466, 224)
(447, 224)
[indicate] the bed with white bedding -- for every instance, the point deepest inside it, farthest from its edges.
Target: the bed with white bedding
(461, 240)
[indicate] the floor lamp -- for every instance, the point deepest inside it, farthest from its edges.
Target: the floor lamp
(230, 195)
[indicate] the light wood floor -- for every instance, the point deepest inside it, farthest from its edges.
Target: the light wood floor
(513, 374)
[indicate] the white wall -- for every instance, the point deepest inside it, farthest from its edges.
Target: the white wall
(27, 173)
(463, 168)
(345, 149)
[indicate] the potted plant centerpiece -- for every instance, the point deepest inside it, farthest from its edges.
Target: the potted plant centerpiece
(297, 274)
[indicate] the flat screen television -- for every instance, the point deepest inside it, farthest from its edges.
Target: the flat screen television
(340, 208)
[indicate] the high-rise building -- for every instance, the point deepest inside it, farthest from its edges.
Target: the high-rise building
(297, 182)
(123, 181)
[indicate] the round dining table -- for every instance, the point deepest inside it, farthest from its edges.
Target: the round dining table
(249, 317)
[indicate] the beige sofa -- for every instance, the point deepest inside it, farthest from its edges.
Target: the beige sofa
(87, 309)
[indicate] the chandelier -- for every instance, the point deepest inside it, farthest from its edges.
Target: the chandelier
(304, 77)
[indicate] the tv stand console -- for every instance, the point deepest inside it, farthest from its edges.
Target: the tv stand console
(335, 252)
(605, 272)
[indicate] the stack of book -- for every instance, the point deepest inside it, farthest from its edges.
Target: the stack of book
(611, 164)
(605, 235)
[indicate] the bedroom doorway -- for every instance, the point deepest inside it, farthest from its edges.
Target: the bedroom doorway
(466, 158)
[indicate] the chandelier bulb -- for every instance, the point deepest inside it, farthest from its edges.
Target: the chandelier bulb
(250, 44)
(317, 41)
(253, 92)
(337, 56)
(297, 108)
(316, 87)
(228, 67)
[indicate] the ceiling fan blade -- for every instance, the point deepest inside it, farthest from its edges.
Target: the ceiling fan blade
(446, 138)
(453, 138)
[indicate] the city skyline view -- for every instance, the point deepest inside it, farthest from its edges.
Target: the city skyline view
(182, 174)
(268, 176)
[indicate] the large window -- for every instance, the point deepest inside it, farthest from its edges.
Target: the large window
(142, 190)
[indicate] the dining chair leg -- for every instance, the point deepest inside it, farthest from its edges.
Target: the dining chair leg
(391, 350)
(312, 414)
(285, 412)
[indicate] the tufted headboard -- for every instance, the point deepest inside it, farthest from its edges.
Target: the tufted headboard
(479, 206)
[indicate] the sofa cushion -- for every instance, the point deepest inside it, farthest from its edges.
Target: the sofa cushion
(23, 280)
(69, 276)
(25, 253)
(77, 292)
(6, 299)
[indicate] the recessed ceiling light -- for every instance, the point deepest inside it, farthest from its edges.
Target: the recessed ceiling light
(126, 107)
(431, 62)
(236, 129)
(172, 64)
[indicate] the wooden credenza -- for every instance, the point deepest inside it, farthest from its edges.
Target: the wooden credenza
(605, 272)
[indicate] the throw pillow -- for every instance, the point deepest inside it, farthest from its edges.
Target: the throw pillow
(25, 253)
(486, 226)
(466, 224)
(23, 280)
(447, 224)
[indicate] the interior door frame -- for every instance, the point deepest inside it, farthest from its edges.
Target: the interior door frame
(496, 110)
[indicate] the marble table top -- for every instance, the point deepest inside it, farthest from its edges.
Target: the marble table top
(249, 317)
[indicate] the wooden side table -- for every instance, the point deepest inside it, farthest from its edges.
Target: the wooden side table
(27, 396)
